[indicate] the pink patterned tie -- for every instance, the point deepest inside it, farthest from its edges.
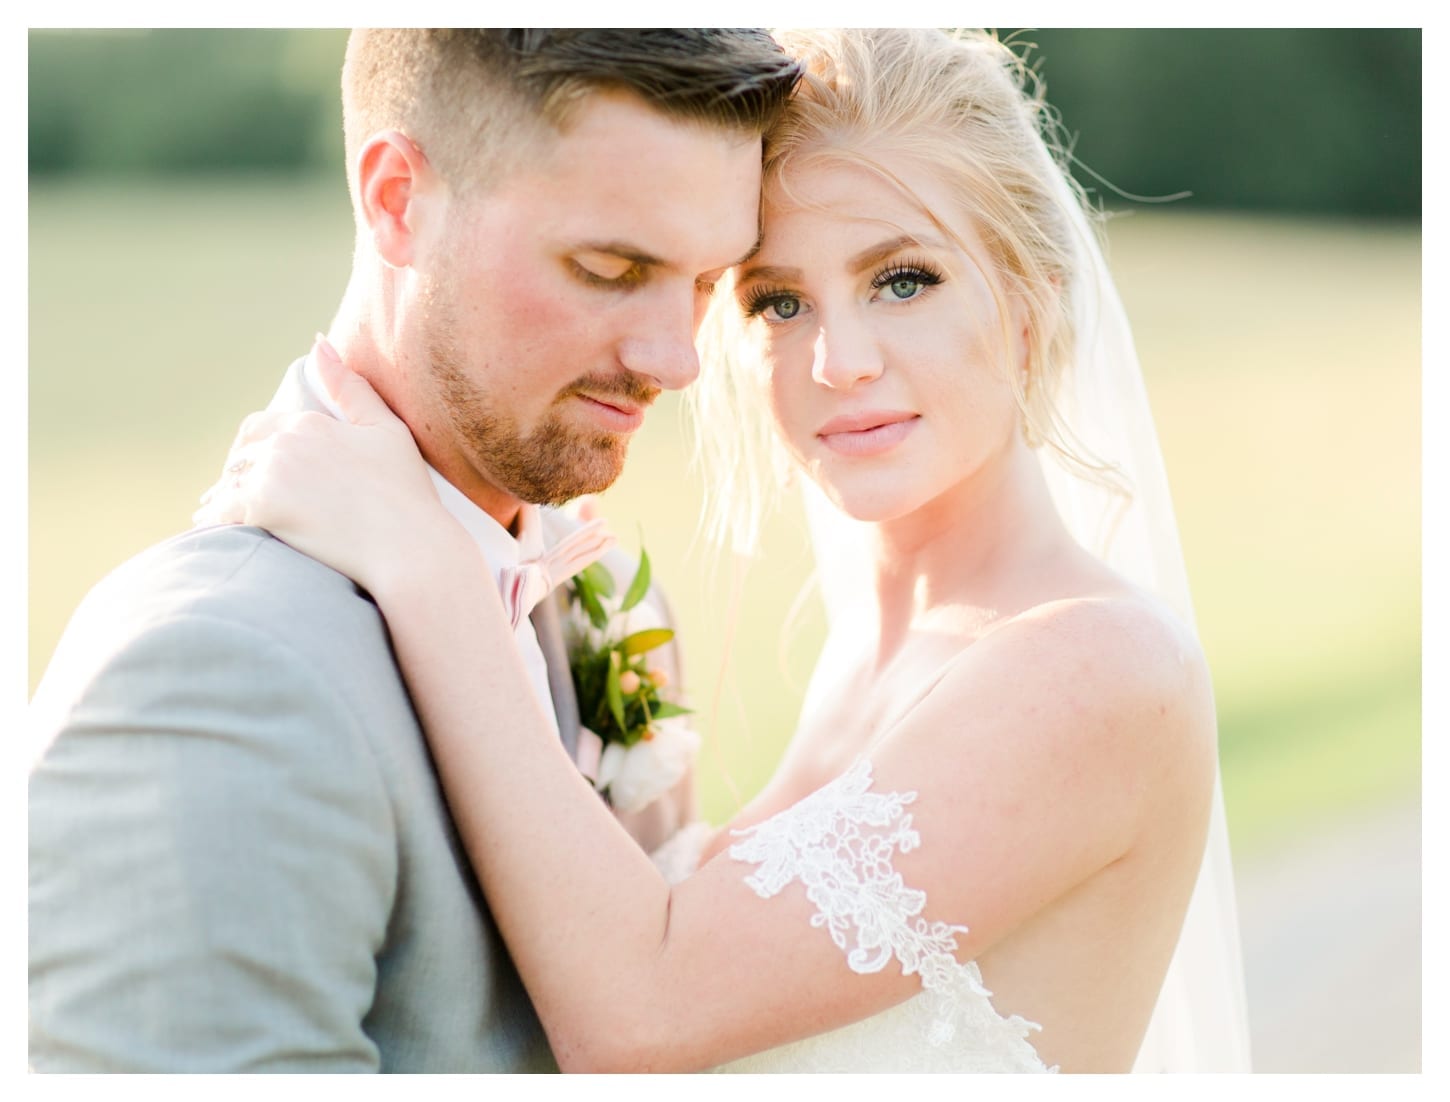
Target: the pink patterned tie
(525, 585)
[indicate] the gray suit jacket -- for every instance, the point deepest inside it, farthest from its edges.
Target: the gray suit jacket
(240, 856)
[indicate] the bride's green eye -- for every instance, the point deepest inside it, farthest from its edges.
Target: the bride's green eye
(906, 281)
(771, 305)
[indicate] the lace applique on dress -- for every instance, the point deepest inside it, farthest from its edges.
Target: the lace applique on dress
(839, 842)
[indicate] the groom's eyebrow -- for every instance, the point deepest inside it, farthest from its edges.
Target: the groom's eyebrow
(622, 249)
(626, 251)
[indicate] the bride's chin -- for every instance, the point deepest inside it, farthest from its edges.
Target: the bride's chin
(869, 505)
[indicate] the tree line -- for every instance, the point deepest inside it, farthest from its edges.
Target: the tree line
(1324, 121)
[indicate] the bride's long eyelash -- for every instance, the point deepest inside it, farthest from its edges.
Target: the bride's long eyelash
(757, 299)
(763, 296)
(922, 271)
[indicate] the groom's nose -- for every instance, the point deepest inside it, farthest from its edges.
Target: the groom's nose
(662, 345)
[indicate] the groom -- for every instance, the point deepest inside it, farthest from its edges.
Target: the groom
(240, 858)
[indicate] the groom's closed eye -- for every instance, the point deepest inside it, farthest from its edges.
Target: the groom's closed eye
(606, 271)
(612, 264)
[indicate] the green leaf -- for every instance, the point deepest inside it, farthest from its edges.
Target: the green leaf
(580, 582)
(597, 616)
(643, 641)
(613, 692)
(599, 579)
(664, 709)
(640, 586)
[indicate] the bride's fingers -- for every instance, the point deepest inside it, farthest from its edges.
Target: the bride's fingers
(357, 399)
(259, 484)
(262, 425)
(225, 500)
(224, 507)
(249, 432)
(328, 357)
(245, 428)
(256, 426)
(224, 503)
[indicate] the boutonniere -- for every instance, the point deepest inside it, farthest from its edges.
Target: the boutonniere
(634, 746)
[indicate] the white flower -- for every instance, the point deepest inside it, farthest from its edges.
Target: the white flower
(638, 775)
(640, 618)
(643, 617)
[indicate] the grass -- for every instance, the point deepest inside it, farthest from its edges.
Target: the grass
(1282, 360)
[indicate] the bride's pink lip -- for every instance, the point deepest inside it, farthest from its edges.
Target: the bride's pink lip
(862, 422)
(867, 434)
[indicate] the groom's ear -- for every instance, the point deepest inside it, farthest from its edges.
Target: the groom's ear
(394, 178)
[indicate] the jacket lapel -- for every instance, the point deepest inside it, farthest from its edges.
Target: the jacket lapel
(548, 626)
(547, 615)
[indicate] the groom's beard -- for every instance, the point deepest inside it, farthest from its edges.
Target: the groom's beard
(555, 462)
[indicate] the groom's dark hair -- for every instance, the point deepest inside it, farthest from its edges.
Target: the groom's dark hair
(475, 101)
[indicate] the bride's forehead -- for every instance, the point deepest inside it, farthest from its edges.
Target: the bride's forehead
(854, 235)
(837, 186)
(827, 203)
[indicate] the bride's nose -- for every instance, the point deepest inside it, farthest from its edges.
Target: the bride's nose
(844, 358)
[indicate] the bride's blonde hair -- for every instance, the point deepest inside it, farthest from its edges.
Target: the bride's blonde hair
(966, 108)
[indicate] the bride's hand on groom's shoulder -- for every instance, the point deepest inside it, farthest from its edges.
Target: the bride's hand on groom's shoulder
(353, 494)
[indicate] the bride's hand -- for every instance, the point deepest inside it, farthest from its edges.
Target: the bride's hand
(353, 494)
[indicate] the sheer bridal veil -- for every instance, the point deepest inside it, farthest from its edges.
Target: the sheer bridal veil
(1201, 1022)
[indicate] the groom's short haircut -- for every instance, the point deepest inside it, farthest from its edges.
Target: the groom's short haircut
(476, 101)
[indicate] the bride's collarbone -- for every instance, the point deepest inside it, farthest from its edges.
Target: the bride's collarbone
(858, 697)
(867, 701)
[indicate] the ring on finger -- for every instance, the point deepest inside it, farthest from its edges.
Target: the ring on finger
(238, 469)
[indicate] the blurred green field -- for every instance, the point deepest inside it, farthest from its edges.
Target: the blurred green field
(1283, 361)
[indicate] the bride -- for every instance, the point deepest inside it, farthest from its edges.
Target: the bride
(979, 849)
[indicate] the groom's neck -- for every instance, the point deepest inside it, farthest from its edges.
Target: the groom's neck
(366, 338)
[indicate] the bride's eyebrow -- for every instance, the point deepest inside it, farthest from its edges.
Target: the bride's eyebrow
(768, 271)
(866, 258)
(870, 257)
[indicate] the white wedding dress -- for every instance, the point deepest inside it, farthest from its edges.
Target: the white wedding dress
(838, 843)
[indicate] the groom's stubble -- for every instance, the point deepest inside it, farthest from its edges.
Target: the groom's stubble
(549, 464)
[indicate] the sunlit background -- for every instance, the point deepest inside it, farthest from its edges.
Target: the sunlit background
(188, 234)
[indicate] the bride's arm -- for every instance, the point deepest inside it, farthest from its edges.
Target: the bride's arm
(628, 973)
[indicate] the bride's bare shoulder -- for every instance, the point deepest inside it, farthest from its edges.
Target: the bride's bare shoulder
(1120, 646)
(1119, 628)
(1071, 735)
(1110, 680)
